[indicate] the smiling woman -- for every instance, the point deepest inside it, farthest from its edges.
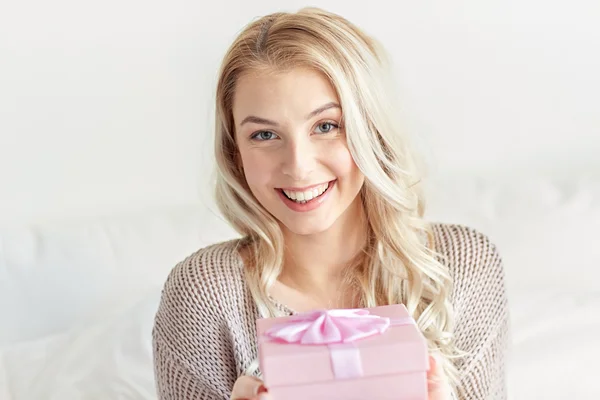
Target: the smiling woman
(294, 156)
(315, 175)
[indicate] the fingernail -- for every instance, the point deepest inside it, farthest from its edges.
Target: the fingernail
(432, 363)
(261, 389)
(263, 396)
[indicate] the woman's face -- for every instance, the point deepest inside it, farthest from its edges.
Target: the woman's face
(293, 150)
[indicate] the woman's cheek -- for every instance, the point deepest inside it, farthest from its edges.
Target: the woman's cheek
(340, 161)
(259, 173)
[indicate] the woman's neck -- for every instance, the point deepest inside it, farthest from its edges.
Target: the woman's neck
(314, 264)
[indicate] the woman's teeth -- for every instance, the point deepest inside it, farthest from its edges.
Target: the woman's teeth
(307, 195)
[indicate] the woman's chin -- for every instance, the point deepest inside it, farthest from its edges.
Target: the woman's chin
(307, 228)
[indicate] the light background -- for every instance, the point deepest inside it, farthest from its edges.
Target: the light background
(105, 171)
(106, 106)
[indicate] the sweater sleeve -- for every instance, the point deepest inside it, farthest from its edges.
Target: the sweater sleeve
(482, 319)
(173, 380)
(193, 355)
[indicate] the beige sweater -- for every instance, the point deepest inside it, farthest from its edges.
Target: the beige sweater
(204, 335)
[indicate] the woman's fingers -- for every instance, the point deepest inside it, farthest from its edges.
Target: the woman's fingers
(436, 379)
(249, 388)
(432, 375)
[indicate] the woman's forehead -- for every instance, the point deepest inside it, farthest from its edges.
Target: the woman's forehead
(293, 93)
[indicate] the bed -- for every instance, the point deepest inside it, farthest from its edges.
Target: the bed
(77, 297)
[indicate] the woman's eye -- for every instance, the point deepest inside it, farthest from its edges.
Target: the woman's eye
(326, 127)
(264, 135)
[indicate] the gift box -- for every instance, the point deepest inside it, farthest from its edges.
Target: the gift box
(358, 354)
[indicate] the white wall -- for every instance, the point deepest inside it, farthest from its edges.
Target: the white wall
(105, 106)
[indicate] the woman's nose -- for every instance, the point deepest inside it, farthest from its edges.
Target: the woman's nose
(298, 160)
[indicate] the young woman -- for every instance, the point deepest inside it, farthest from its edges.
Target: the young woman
(315, 175)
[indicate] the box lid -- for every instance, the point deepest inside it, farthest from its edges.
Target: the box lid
(401, 348)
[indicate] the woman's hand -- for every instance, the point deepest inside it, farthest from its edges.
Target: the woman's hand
(249, 388)
(438, 386)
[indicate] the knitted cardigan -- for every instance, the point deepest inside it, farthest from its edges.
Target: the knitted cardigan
(204, 334)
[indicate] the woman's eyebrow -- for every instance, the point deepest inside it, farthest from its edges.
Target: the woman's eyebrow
(263, 121)
(324, 107)
(258, 120)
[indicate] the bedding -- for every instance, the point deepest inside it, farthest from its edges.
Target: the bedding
(77, 298)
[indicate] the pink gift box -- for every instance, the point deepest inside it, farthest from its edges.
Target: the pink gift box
(367, 354)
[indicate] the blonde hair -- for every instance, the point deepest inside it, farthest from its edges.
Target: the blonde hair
(398, 264)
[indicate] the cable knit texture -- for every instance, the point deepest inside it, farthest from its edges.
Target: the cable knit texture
(204, 335)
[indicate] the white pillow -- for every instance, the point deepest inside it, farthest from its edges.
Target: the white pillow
(547, 230)
(109, 357)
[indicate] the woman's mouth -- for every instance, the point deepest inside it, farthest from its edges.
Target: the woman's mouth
(306, 199)
(304, 196)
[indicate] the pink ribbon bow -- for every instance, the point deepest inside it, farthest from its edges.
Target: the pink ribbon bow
(337, 329)
(328, 327)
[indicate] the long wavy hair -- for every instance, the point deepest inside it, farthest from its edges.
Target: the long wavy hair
(398, 263)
